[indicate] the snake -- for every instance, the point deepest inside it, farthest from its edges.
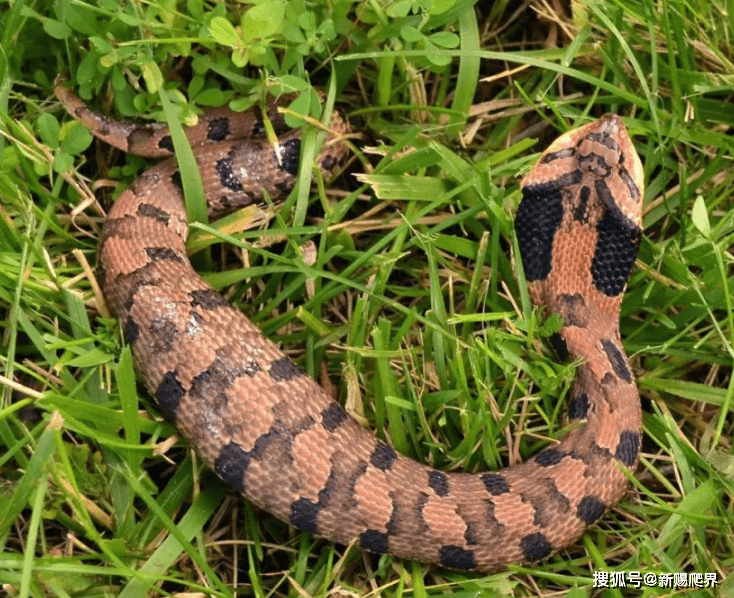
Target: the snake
(276, 436)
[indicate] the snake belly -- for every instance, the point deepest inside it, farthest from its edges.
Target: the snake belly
(275, 435)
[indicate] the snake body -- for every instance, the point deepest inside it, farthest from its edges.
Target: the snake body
(275, 435)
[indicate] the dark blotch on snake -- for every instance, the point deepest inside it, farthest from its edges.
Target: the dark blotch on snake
(303, 515)
(628, 447)
(283, 369)
(456, 557)
(168, 394)
(383, 456)
(495, 483)
(590, 509)
(333, 417)
(549, 457)
(535, 546)
(439, 482)
(374, 541)
(217, 129)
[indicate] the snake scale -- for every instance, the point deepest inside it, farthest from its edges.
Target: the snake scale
(276, 436)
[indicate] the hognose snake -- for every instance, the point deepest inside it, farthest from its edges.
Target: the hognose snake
(276, 436)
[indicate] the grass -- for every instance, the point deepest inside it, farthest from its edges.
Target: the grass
(412, 307)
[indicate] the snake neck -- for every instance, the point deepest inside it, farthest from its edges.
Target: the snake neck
(604, 392)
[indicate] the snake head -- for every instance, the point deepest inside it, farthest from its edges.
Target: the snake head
(605, 144)
(579, 222)
(602, 153)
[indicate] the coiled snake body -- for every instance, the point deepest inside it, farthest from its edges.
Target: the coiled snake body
(275, 435)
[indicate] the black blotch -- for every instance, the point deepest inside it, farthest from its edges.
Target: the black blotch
(374, 541)
(538, 218)
(283, 369)
(290, 152)
(207, 299)
(470, 534)
(328, 163)
(439, 482)
(580, 211)
(627, 178)
(605, 194)
(592, 457)
(608, 379)
(166, 143)
(535, 546)
(549, 457)
(422, 500)
(217, 129)
(354, 477)
(615, 252)
(571, 306)
(595, 164)
(392, 524)
(456, 557)
(130, 301)
(132, 282)
(491, 517)
(176, 180)
(101, 274)
(495, 483)
(227, 176)
(578, 406)
(559, 346)
(150, 211)
(541, 515)
(168, 394)
(616, 359)
(119, 228)
(333, 484)
(564, 153)
(163, 334)
(590, 509)
(303, 515)
(383, 456)
(258, 129)
(547, 187)
(266, 440)
(163, 253)
(231, 465)
(333, 417)
(284, 187)
(211, 384)
(605, 139)
(628, 447)
(548, 504)
(131, 331)
(298, 426)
